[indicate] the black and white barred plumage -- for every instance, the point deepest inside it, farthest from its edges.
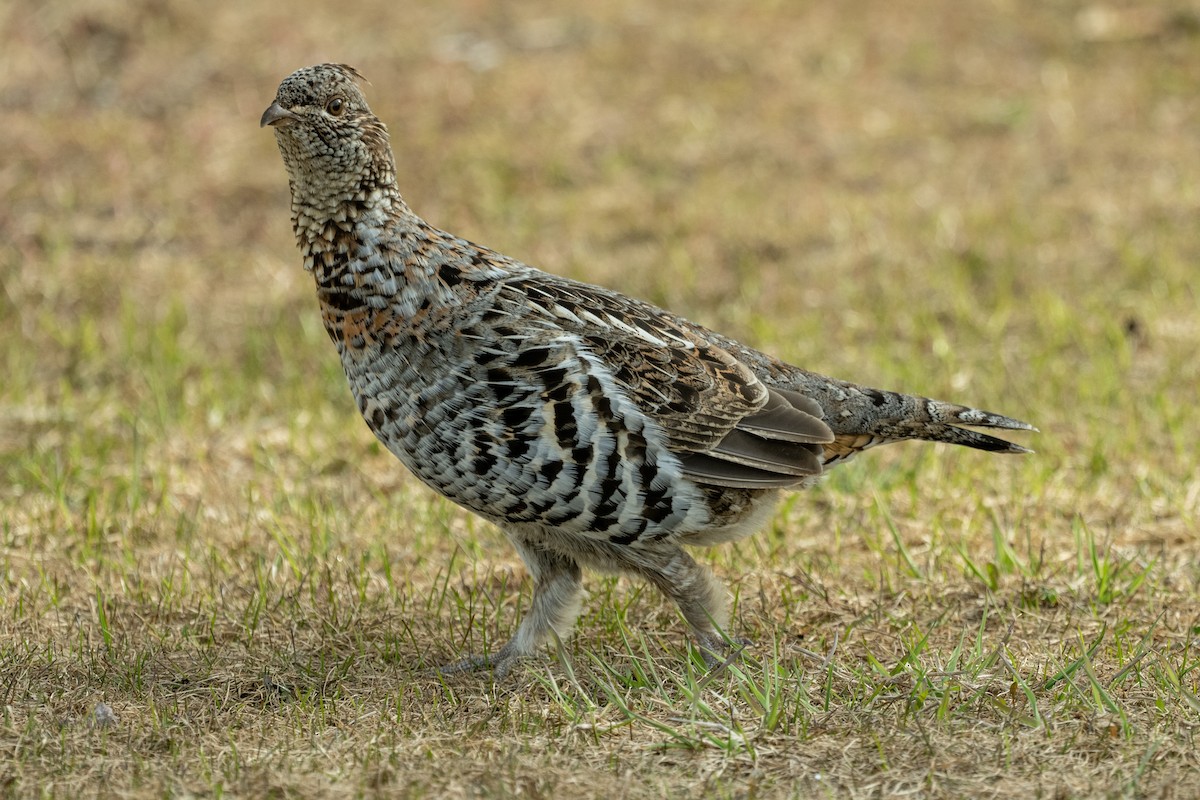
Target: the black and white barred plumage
(594, 429)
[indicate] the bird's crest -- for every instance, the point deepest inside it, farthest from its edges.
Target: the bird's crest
(352, 73)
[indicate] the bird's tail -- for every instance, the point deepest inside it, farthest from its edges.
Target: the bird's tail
(861, 417)
(943, 423)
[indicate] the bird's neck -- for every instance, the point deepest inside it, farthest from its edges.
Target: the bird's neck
(372, 252)
(332, 232)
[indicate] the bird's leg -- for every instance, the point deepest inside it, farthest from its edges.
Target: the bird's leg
(557, 591)
(701, 598)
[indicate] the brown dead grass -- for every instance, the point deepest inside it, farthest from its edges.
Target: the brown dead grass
(994, 202)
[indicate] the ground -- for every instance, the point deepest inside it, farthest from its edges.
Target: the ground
(214, 582)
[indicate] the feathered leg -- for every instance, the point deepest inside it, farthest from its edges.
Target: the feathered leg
(702, 599)
(557, 591)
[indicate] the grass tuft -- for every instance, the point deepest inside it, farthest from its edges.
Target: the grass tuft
(214, 582)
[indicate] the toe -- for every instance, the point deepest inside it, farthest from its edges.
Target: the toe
(468, 664)
(720, 652)
(500, 663)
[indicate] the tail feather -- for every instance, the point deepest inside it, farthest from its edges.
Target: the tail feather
(978, 418)
(951, 434)
(862, 417)
(945, 419)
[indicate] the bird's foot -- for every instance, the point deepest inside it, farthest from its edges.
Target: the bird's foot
(719, 651)
(500, 663)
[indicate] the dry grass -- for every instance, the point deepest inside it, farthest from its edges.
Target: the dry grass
(994, 202)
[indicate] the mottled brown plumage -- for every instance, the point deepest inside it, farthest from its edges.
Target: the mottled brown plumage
(594, 429)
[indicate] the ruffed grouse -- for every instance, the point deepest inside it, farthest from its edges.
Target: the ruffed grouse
(594, 429)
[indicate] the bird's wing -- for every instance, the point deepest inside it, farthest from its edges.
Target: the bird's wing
(726, 426)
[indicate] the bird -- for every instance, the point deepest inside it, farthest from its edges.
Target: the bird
(593, 429)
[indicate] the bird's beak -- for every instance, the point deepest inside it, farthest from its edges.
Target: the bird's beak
(277, 115)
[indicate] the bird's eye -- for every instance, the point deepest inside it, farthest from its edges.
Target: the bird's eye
(336, 106)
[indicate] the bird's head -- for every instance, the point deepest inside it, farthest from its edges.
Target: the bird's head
(331, 142)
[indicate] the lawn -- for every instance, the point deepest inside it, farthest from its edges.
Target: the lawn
(214, 582)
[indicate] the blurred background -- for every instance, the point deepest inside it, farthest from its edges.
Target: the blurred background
(993, 202)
